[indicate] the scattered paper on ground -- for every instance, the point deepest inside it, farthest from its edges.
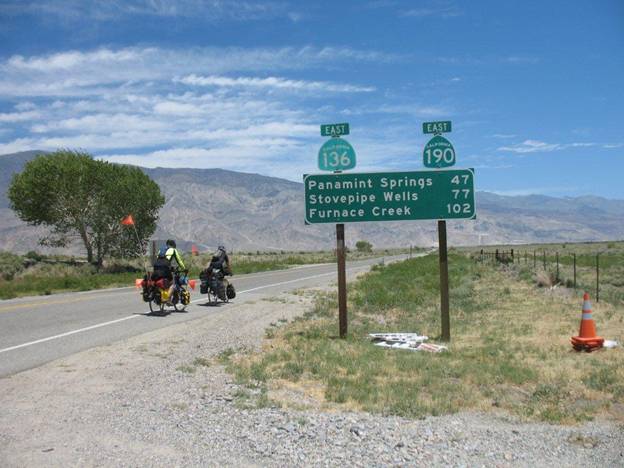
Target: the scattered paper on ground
(411, 341)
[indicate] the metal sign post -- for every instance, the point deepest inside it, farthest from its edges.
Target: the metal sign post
(439, 153)
(338, 155)
(444, 283)
(342, 280)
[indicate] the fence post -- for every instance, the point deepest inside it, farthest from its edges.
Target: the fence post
(598, 277)
(557, 276)
(544, 260)
(534, 260)
(574, 263)
(525, 258)
(512, 256)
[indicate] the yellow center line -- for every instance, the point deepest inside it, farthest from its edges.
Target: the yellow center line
(39, 304)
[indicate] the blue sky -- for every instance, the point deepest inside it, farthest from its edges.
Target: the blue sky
(534, 89)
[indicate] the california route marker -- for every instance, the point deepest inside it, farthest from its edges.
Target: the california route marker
(336, 154)
(439, 153)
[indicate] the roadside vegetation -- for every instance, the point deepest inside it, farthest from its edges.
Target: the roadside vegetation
(538, 263)
(77, 197)
(36, 274)
(510, 350)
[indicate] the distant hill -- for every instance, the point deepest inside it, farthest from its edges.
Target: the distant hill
(244, 211)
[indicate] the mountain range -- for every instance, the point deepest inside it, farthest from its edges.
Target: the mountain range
(208, 207)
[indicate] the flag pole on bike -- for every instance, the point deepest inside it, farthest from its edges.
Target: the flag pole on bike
(129, 221)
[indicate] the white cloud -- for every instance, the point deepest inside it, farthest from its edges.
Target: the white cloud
(536, 146)
(130, 70)
(251, 157)
(520, 60)
(177, 108)
(440, 10)
(412, 109)
(102, 123)
(19, 116)
(203, 107)
(74, 59)
(25, 106)
(21, 144)
(110, 10)
(272, 82)
(549, 190)
(532, 146)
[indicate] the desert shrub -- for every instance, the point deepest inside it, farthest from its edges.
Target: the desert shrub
(120, 267)
(34, 256)
(545, 279)
(10, 265)
(363, 246)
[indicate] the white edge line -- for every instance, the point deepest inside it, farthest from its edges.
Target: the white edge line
(43, 340)
(73, 332)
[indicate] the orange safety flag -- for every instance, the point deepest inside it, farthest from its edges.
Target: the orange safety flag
(128, 221)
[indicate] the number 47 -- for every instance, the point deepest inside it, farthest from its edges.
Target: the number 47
(456, 179)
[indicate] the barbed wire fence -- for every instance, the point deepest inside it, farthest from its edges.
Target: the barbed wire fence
(564, 268)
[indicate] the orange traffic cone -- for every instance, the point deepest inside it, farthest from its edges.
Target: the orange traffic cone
(587, 339)
(194, 250)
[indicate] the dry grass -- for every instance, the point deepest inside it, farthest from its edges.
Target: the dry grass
(510, 350)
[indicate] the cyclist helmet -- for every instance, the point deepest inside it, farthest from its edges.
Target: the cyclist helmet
(171, 243)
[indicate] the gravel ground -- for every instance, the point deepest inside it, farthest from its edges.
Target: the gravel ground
(142, 402)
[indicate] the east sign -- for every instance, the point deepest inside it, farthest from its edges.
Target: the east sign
(335, 130)
(437, 127)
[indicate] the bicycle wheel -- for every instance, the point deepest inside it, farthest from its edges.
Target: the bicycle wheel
(156, 308)
(177, 301)
(212, 297)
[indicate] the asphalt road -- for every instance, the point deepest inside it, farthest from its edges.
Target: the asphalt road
(36, 330)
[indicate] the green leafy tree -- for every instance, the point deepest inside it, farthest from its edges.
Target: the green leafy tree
(78, 197)
(363, 246)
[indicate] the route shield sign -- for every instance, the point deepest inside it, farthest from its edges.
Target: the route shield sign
(437, 127)
(389, 196)
(336, 155)
(439, 153)
(335, 130)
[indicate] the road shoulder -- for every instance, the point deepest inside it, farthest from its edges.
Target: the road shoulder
(162, 399)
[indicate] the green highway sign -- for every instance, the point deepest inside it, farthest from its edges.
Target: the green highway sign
(389, 196)
(439, 153)
(437, 127)
(335, 130)
(336, 155)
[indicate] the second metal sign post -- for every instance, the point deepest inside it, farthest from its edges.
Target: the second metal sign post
(338, 155)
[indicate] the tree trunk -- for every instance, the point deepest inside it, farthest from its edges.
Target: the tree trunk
(99, 252)
(87, 243)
